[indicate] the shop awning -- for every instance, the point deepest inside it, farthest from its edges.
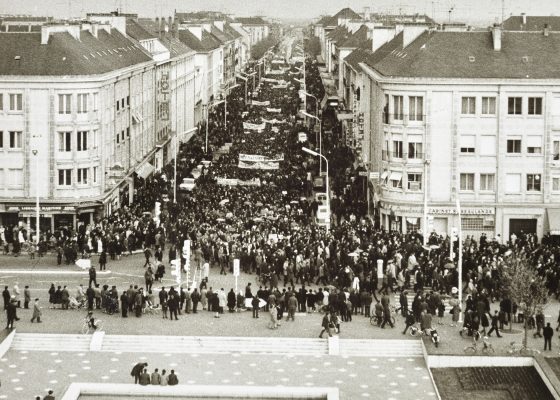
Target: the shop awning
(344, 115)
(384, 175)
(395, 176)
(145, 170)
(554, 221)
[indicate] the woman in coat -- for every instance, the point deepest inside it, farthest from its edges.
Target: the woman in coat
(231, 301)
(52, 296)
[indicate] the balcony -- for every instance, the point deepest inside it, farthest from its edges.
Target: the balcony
(405, 119)
(400, 156)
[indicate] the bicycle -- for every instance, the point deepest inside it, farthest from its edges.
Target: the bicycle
(375, 320)
(87, 328)
(522, 350)
(432, 334)
(487, 347)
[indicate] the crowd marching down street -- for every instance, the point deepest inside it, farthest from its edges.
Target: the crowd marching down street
(253, 201)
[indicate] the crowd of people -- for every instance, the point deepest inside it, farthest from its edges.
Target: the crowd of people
(265, 217)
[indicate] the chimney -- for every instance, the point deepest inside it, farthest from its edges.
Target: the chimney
(497, 37)
(524, 18)
(366, 13)
(546, 29)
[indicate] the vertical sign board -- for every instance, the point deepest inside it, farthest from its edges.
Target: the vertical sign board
(236, 271)
(163, 94)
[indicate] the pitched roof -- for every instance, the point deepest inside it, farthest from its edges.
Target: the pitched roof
(229, 30)
(174, 45)
(356, 57)
(64, 55)
(251, 21)
(208, 42)
(339, 34)
(221, 36)
(347, 13)
(358, 39)
(137, 31)
(323, 20)
(437, 54)
(533, 23)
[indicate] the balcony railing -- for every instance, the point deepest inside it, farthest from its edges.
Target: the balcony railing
(395, 155)
(402, 118)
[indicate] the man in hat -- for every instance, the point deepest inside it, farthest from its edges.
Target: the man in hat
(11, 312)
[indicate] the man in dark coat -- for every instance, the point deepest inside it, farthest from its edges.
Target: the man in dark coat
(124, 304)
(195, 297)
(11, 312)
(92, 275)
(548, 332)
(6, 297)
(231, 301)
(137, 370)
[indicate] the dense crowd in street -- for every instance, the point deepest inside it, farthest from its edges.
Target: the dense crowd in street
(266, 219)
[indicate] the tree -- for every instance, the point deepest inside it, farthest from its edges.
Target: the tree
(525, 286)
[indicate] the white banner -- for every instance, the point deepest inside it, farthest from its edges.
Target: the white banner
(274, 110)
(254, 127)
(260, 103)
(270, 80)
(227, 181)
(282, 86)
(266, 165)
(256, 157)
(274, 121)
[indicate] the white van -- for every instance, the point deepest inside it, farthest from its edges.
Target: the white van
(188, 184)
(323, 215)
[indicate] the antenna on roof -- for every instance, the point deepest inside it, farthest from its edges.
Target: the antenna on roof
(450, 11)
(503, 10)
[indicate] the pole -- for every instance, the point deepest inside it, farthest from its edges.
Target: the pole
(328, 192)
(225, 108)
(425, 228)
(175, 172)
(460, 261)
(37, 215)
(320, 147)
(206, 138)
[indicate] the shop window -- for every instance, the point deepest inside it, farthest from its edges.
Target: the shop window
(412, 225)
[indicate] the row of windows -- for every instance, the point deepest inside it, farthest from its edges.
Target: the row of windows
(84, 140)
(415, 108)
(415, 150)
(11, 178)
(83, 176)
(488, 105)
(14, 102)
(120, 136)
(393, 179)
(65, 105)
(513, 182)
(120, 104)
(13, 140)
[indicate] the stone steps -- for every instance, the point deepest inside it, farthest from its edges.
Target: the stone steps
(380, 348)
(208, 344)
(50, 342)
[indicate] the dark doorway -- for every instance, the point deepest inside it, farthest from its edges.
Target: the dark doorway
(525, 225)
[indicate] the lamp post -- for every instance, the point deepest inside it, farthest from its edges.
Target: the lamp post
(37, 215)
(316, 102)
(314, 153)
(320, 139)
(425, 229)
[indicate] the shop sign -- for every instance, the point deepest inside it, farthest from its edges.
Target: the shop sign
(163, 95)
(464, 211)
(48, 208)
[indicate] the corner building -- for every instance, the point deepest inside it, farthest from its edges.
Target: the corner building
(472, 116)
(76, 118)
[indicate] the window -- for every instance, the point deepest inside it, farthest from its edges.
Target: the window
(533, 182)
(397, 149)
(488, 105)
(64, 177)
(535, 106)
(556, 183)
(64, 103)
(398, 108)
(128, 132)
(1, 140)
(556, 150)
(487, 182)
(14, 177)
(122, 103)
(82, 140)
(95, 102)
(128, 100)
(16, 140)
(94, 174)
(414, 150)
(487, 145)
(122, 135)
(467, 143)
(468, 105)
(416, 108)
(118, 105)
(514, 146)
(515, 105)
(534, 144)
(396, 180)
(82, 103)
(82, 176)
(1, 101)
(386, 110)
(467, 182)
(414, 182)
(16, 102)
(94, 139)
(513, 183)
(118, 138)
(64, 141)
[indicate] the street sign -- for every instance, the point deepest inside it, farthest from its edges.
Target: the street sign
(374, 175)
(362, 173)
(236, 267)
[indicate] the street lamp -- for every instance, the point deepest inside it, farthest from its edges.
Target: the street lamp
(305, 113)
(315, 154)
(426, 164)
(303, 92)
(37, 216)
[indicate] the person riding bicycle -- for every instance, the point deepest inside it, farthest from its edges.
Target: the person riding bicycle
(90, 320)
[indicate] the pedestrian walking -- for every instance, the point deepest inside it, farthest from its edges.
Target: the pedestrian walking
(494, 324)
(548, 332)
(326, 324)
(37, 313)
(26, 297)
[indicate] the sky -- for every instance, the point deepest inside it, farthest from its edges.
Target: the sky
(475, 12)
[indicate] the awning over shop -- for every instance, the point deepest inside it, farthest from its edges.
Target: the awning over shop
(395, 176)
(145, 170)
(554, 221)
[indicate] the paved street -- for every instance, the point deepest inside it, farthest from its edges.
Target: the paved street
(27, 374)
